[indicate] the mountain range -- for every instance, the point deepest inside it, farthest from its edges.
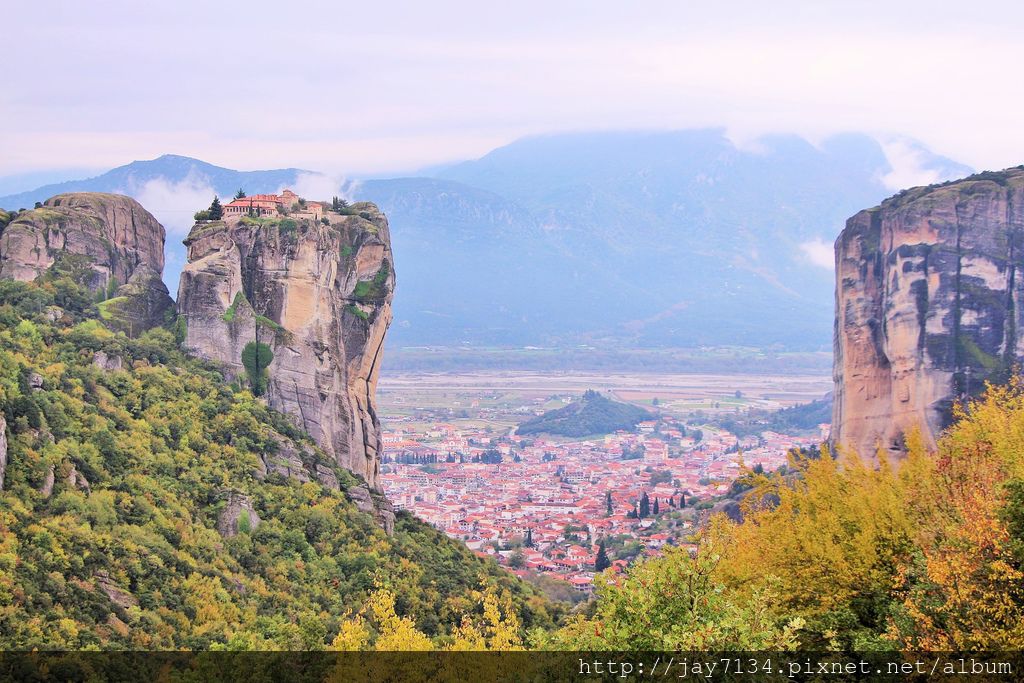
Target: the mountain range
(615, 239)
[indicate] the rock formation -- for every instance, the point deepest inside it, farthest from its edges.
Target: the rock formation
(238, 515)
(119, 245)
(295, 308)
(928, 307)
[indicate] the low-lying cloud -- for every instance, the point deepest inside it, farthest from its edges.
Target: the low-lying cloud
(819, 253)
(174, 203)
(321, 186)
(911, 165)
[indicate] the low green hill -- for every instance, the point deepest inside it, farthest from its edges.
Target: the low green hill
(592, 414)
(125, 457)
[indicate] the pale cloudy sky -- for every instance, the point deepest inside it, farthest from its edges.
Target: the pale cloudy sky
(380, 86)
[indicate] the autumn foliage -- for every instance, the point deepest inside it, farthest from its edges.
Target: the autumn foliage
(924, 554)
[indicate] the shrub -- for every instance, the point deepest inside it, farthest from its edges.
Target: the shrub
(256, 358)
(375, 289)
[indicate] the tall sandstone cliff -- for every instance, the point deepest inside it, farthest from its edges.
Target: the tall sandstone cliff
(928, 307)
(297, 307)
(118, 245)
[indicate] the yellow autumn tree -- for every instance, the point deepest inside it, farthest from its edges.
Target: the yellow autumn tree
(353, 634)
(377, 626)
(498, 628)
(829, 533)
(964, 589)
(393, 633)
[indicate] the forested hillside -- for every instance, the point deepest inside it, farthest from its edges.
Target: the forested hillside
(591, 414)
(138, 510)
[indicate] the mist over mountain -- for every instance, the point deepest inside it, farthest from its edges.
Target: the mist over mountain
(626, 239)
(173, 169)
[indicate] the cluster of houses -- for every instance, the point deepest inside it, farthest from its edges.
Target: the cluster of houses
(547, 505)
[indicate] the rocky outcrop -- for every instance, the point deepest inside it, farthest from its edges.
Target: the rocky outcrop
(46, 490)
(928, 307)
(109, 363)
(77, 480)
(117, 595)
(238, 515)
(295, 460)
(296, 308)
(373, 503)
(119, 247)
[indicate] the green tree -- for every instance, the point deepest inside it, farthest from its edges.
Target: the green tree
(216, 211)
(655, 510)
(675, 603)
(240, 194)
(608, 502)
(517, 560)
(601, 562)
(645, 506)
(256, 358)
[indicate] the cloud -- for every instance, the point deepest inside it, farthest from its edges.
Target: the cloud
(321, 186)
(911, 165)
(438, 82)
(819, 253)
(174, 203)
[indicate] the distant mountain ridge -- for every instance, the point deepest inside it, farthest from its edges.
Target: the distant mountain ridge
(171, 167)
(608, 239)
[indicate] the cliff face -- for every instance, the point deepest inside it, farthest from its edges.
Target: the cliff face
(119, 245)
(297, 310)
(928, 307)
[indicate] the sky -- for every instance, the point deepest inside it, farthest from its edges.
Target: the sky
(379, 87)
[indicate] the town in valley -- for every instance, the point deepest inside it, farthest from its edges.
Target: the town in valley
(556, 509)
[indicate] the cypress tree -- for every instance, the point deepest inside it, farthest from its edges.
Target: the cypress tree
(601, 562)
(645, 506)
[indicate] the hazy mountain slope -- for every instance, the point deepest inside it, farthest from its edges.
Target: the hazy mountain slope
(688, 239)
(474, 266)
